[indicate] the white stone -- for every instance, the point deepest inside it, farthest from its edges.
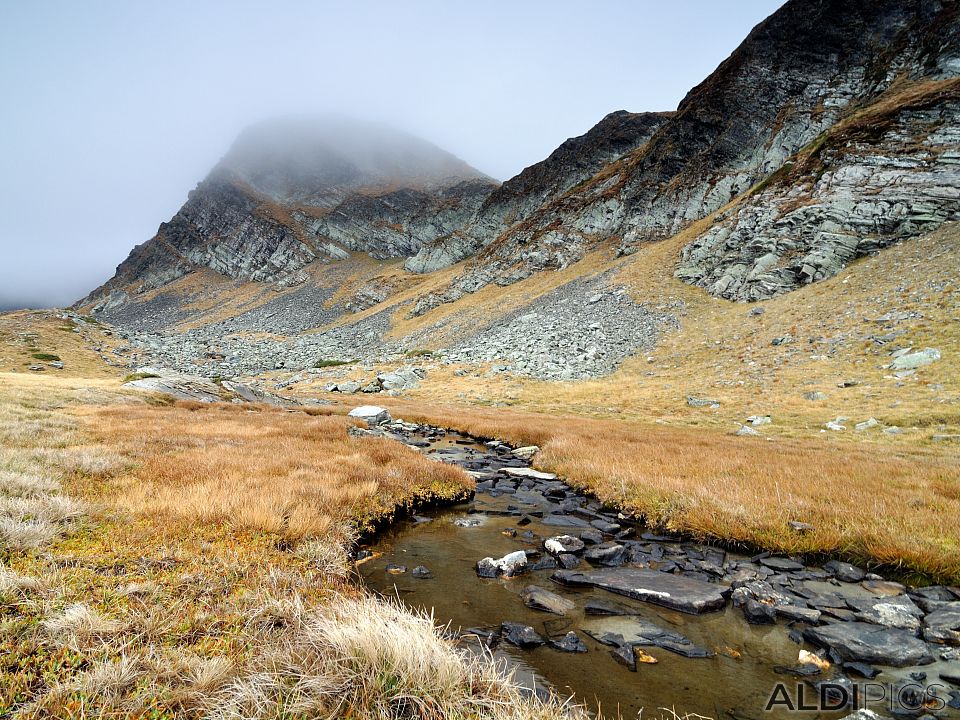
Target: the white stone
(529, 473)
(373, 414)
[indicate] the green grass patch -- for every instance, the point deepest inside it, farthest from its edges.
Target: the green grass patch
(49, 357)
(332, 363)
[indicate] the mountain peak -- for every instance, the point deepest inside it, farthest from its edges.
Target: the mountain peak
(300, 159)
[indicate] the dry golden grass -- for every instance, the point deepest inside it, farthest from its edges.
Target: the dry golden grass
(265, 469)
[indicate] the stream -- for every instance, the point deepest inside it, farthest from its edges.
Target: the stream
(709, 659)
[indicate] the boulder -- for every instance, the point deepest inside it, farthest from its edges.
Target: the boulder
(563, 544)
(510, 565)
(699, 402)
(249, 393)
(570, 642)
(758, 613)
(539, 598)
(943, 624)
(176, 385)
(607, 554)
(844, 571)
(912, 361)
(869, 643)
(373, 415)
(526, 452)
(421, 572)
(523, 636)
(659, 588)
(404, 378)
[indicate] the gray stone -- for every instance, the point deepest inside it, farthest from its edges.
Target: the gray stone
(844, 571)
(865, 642)
(671, 591)
(373, 415)
(560, 544)
(523, 636)
(510, 565)
(912, 361)
(570, 642)
(539, 598)
(897, 611)
(942, 626)
(699, 402)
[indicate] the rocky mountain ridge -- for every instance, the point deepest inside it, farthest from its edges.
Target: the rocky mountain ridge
(290, 193)
(796, 75)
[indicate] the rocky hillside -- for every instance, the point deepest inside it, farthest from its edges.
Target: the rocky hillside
(293, 192)
(574, 162)
(810, 66)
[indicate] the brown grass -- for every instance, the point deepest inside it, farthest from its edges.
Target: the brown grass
(265, 469)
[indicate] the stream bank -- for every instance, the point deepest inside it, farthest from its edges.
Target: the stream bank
(625, 619)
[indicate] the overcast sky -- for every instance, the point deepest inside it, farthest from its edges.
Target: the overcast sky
(113, 111)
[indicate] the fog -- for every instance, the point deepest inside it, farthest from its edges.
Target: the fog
(113, 111)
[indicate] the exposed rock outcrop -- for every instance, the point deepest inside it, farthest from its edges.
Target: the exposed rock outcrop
(799, 73)
(891, 172)
(575, 161)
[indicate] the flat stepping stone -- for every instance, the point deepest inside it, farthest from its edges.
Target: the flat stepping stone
(671, 591)
(868, 643)
(525, 472)
(782, 564)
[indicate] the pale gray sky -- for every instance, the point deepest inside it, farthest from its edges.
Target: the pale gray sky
(113, 110)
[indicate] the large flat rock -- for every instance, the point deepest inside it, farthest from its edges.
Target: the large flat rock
(869, 643)
(659, 588)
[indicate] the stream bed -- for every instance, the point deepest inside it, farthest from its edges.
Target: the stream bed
(725, 631)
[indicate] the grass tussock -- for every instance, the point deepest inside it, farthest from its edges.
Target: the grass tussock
(367, 658)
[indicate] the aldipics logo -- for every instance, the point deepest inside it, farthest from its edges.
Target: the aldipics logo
(897, 699)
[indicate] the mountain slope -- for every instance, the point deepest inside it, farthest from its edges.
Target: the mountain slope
(575, 161)
(796, 75)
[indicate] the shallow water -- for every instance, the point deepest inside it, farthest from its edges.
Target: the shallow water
(735, 683)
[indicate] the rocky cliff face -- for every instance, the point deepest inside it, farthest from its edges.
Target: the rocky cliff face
(890, 173)
(798, 74)
(290, 193)
(574, 162)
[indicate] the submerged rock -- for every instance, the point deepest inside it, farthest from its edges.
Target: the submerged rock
(539, 598)
(570, 642)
